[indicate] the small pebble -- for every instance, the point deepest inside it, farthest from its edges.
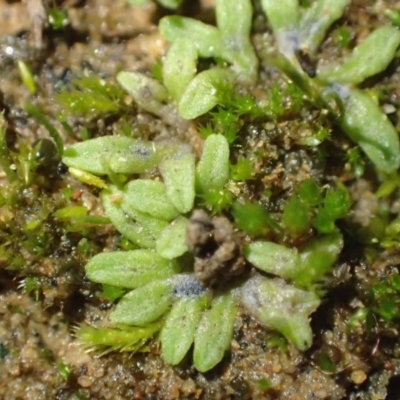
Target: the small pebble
(85, 381)
(269, 126)
(277, 368)
(358, 376)
(389, 108)
(321, 394)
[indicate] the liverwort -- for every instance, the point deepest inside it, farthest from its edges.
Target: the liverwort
(172, 240)
(283, 17)
(178, 332)
(140, 228)
(145, 304)
(215, 332)
(365, 123)
(148, 93)
(304, 268)
(354, 110)
(178, 173)
(179, 67)
(129, 269)
(234, 23)
(363, 61)
(273, 258)
(206, 39)
(202, 94)
(280, 306)
(149, 196)
(212, 172)
(121, 154)
(230, 41)
(316, 21)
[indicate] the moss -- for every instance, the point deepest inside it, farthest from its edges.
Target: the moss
(41, 221)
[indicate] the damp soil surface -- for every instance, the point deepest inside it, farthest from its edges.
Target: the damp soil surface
(44, 294)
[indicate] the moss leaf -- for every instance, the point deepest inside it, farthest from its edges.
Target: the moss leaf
(87, 177)
(43, 120)
(105, 340)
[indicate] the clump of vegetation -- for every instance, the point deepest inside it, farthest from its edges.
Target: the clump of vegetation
(206, 238)
(37, 230)
(299, 35)
(158, 216)
(89, 97)
(192, 94)
(385, 297)
(172, 273)
(308, 206)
